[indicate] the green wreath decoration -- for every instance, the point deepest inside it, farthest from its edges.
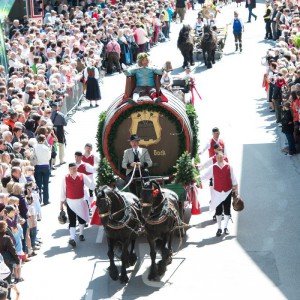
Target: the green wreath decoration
(192, 116)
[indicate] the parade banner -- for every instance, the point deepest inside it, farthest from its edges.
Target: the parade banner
(5, 7)
(3, 58)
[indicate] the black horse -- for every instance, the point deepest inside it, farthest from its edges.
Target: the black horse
(119, 213)
(208, 45)
(185, 44)
(161, 216)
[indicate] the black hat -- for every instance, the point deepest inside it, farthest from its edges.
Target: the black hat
(187, 68)
(72, 165)
(89, 145)
(78, 153)
(134, 137)
(215, 129)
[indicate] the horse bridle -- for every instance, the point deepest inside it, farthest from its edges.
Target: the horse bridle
(143, 204)
(109, 207)
(150, 204)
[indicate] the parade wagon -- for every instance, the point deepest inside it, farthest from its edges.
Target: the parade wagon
(167, 130)
(221, 38)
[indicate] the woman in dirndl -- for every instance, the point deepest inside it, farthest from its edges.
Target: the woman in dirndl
(91, 76)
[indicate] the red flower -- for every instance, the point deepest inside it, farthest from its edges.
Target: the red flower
(155, 193)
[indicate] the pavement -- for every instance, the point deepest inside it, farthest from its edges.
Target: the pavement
(260, 257)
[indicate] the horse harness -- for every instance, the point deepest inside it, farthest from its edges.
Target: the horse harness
(168, 210)
(129, 212)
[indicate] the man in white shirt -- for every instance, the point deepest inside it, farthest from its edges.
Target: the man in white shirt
(224, 182)
(72, 195)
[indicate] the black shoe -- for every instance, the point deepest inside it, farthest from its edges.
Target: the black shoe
(46, 203)
(249, 22)
(81, 238)
(226, 231)
(86, 225)
(132, 102)
(157, 100)
(97, 105)
(241, 50)
(72, 243)
(219, 232)
(91, 105)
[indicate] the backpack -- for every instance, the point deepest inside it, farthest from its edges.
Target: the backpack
(237, 26)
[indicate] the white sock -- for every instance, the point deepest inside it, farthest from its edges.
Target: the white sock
(226, 219)
(81, 227)
(72, 232)
(136, 96)
(219, 220)
(211, 191)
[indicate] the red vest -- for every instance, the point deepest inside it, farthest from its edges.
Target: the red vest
(215, 159)
(74, 187)
(82, 169)
(211, 151)
(90, 160)
(222, 178)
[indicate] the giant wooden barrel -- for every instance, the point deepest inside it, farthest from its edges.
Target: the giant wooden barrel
(165, 130)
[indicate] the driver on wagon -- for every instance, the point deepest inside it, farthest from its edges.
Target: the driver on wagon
(136, 156)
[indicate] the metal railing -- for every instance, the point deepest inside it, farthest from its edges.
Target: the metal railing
(72, 100)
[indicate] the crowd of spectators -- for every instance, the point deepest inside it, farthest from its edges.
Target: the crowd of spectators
(45, 60)
(282, 80)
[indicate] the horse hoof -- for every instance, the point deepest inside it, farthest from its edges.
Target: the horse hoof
(124, 279)
(161, 268)
(113, 273)
(152, 277)
(153, 273)
(132, 259)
